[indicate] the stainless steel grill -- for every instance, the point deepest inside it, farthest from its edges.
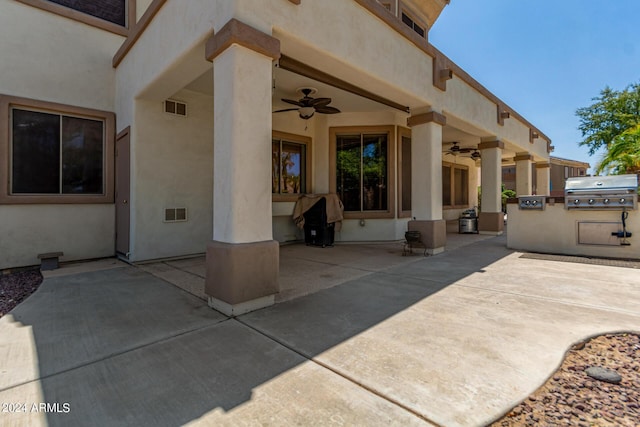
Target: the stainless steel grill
(616, 192)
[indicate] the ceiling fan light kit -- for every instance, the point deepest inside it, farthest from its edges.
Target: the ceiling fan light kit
(306, 112)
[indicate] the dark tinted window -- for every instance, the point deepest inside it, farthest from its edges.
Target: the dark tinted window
(55, 154)
(82, 156)
(446, 186)
(406, 173)
(35, 152)
(109, 10)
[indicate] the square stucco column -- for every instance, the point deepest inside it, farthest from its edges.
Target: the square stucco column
(243, 259)
(426, 180)
(491, 220)
(523, 174)
(543, 179)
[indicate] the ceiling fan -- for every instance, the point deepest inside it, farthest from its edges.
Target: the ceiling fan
(308, 106)
(456, 150)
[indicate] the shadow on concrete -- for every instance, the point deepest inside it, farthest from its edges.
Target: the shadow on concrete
(317, 322)
(124, 348)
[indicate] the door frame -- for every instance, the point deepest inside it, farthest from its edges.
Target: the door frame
(123, 193)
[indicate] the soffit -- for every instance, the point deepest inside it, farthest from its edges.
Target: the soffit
(285, 85)
(431, 9)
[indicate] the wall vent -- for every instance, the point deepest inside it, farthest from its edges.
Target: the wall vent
(175, 214)
(177, 108)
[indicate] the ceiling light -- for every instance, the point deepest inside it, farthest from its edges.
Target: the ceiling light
(306, 112)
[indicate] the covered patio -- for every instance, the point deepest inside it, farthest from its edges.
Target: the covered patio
(308, 269)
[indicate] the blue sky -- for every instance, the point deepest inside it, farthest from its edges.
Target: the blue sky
(545, 58)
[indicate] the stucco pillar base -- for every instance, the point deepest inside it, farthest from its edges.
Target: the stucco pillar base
(491, 223)
(242, 277)
(433, 234)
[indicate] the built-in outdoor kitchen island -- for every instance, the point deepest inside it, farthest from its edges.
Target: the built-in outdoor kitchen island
(598, 216)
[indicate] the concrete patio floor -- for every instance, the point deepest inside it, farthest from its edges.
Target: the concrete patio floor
(307, 269)
(455, 339)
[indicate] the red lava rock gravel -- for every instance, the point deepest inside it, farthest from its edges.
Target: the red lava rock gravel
(16, 287)
(572, 398)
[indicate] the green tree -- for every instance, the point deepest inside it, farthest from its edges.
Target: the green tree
(611, 119)
(623, 155)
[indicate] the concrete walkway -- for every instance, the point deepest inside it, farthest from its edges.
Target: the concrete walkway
(454, 340)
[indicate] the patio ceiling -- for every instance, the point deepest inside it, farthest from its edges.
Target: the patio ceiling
(287, 83)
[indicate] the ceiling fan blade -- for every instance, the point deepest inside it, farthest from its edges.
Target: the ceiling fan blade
(286, 109)
(320, 102)
(291, 101)
(326, 109)
(466, 150)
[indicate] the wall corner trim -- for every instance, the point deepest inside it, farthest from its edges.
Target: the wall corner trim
(237, 32)
(136, 31)
(431, 116)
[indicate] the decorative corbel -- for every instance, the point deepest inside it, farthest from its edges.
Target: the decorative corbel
(502, 114)
(533, 135)
(442, 72)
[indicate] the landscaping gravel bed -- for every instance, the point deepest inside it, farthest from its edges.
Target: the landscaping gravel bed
(16, 287)
(572, 398)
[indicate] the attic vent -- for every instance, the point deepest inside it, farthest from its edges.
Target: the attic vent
(175, 107)
(175, 214)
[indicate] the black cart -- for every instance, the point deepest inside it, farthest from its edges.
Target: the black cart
(316, 230)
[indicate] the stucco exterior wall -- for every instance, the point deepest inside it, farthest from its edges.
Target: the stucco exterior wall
(327, 35)
(555, 230)
(373, 229)
(172, 166)
(80, 231)
(141, 8)
(169, 54)
(51, 58)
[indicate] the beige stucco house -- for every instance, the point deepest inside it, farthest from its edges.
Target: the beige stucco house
(149, 129)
